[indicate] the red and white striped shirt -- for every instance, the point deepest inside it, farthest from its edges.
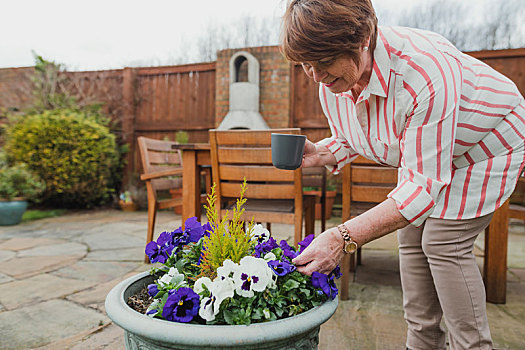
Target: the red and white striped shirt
(452, 125)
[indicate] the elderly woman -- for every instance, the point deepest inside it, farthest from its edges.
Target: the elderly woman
(454, 128)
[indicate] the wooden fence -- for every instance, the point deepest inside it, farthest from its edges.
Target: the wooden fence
(159, 101)
(163, 100)
(306, 112)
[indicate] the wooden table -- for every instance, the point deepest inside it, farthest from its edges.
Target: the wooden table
(195, 156)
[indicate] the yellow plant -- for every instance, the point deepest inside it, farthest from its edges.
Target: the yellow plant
(228, 240)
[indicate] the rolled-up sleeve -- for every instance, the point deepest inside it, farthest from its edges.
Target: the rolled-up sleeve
(427, 141)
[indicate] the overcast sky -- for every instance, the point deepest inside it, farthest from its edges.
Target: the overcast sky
(103, 34)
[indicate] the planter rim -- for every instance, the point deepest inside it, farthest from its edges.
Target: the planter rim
(204, 335)
(14, 199)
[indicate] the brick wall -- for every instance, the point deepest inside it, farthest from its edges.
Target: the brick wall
(15, 88)
(274, 80)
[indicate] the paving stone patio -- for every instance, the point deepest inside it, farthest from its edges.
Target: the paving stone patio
(55, 274)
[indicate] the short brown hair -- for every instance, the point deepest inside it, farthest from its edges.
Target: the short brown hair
(317, 29)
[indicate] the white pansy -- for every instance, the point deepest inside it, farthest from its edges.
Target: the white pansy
(259, 233)
(173, 277)
(227, 269)
(198, 286)
(253, 274)
(219, 289)
(153, 306)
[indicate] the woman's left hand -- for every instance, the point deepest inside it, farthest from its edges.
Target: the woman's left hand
(322, 255)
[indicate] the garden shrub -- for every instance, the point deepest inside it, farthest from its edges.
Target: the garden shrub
(71, 151)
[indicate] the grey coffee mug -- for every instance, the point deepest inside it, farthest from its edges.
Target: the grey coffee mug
(287, 150)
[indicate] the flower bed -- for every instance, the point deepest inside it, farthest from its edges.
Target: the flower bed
(219, 273)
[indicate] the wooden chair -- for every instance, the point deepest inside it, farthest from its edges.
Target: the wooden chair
(316, 177)
(273, 195)
(365, 184)
(162, 172)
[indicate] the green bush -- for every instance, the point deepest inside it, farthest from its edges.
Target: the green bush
(18, 182)
(70, 151)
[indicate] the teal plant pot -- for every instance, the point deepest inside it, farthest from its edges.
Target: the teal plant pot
(143, 332)
(11, 212)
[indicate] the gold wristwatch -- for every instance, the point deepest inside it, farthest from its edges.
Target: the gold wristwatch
(350, 246)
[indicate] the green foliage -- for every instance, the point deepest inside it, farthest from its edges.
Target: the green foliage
(48, 86)
(18, 181)
(227, 241)
(182, 137)
(71, 151)
(37, 214)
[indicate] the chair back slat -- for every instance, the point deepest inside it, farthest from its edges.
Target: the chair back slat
(157, 168)
(372, 194)
(166, 184)
(245, 138)
(164, 157)
(259, 191)
(251, 155)
(255, 173)
(374, 175)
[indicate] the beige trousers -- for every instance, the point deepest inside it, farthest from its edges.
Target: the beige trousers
(440, 277)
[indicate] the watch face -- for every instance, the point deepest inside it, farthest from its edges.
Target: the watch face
(350, 247)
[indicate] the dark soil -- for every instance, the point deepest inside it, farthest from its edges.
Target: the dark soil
(140, 301)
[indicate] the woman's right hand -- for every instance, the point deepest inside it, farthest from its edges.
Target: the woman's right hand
(315, 155)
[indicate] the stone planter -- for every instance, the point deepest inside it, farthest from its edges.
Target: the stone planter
(11, 211)
(143, 332)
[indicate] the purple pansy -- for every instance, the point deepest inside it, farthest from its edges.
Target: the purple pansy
(326, 283)
(265, 247)
(193, 232)
(306, 242)
(153, 289)
(287, 250)
(181, 306)
(281, 268)
(208, 228)
(336, 272)
(158, 253)
(193, 229)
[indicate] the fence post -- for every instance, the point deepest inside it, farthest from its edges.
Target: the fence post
(128, 120)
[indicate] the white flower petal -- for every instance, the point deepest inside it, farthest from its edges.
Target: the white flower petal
(259, 232)
(227, 269)
(203, 281)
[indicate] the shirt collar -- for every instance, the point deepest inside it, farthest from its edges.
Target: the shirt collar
(378, 84)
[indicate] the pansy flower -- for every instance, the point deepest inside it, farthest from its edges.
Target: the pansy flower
(326, 283)
(227, 269)
(287, 250)
(208, 229)
(173, 278)
(160, 250)
(281, 268)
(193, 229)
(259, 234)
(265, 247)
(218, 290)
(306, 242)
(153, 289)
(252, 275)
(181, 306)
